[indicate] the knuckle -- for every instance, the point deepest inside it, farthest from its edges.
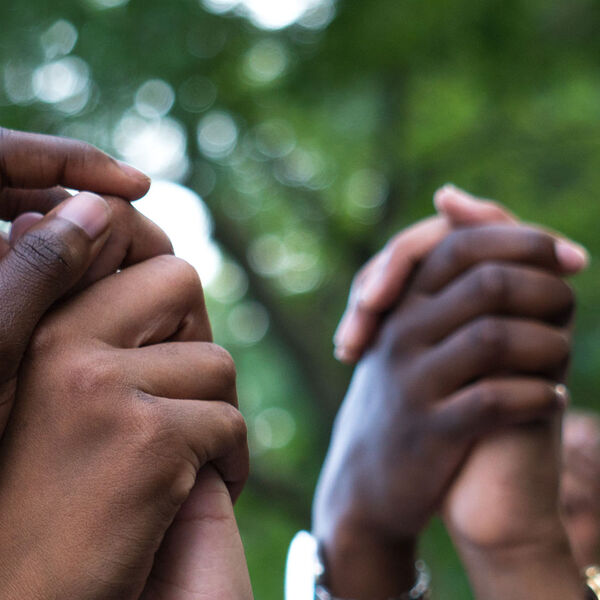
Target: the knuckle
(489, 336)
(89, 376)
(181, 273)
(487, 402)
(457, 247)
(563, 347)
(44, 340)
(236, 425)
(540, 246)
(569, 300)
(225, 366)
(83, 155)
(491, 283)
(548, 395)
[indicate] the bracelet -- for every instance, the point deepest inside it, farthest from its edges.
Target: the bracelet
(305, 573)
(592, 576)
(420, 591)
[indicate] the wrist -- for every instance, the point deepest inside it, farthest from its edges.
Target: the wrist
(363, 564)
(541, 568)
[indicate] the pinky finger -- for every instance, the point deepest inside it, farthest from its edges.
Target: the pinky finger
(216, 433)
(495, 403)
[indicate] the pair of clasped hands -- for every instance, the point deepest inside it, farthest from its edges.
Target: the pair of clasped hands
(461, 327)
(122, 448)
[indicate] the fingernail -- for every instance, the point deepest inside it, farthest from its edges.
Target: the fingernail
(88, 211)
(132, 171)
(562, 395)
(572, 257)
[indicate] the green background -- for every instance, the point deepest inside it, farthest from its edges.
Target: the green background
(343, 126)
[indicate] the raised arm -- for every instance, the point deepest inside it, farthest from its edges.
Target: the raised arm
(459, 358)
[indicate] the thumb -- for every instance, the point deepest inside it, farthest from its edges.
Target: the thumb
(202, 552)
(42, 266)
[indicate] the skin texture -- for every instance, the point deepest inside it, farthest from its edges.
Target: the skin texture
(111, 427)
(378, 286)
(475, 346)
(502, 570)
(580, 485)
(46, 257)
(49, 256)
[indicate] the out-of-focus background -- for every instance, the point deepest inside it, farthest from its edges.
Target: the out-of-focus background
(288, 139)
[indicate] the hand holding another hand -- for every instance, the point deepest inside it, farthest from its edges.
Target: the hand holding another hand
(119, 407)
(80, 240)
(473, 347)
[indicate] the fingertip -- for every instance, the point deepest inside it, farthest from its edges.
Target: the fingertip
(22, 224)
(346, 355)
(133, 172)
(442, 194)
(140, 182)
(571, 256)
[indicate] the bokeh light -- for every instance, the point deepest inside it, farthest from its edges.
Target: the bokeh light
(154, 99)
(61, 79)
(185, 219)
(266, 61)
(277, 14)
(157, 146)
(273, 428)
(217, 134)
(59, 39)
(248, 323)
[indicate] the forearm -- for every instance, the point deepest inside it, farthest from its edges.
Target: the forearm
(545, 570)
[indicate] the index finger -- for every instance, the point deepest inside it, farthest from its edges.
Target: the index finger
(379, 284)
(36, 161)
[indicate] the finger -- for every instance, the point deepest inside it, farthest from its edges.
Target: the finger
(464, 248)
(202, 551)
(39, 161)
(169, 304)
(461, 208)
(487, 289)
(42, 267)
(493, 404)
(492, 345)
(15, 202)
(197, 370)
(22, 224)
(357, 330)
(379, 285)
(215, 432)
(134, 238)
(383, 286)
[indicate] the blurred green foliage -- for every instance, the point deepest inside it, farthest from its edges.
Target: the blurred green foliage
(311, 145)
